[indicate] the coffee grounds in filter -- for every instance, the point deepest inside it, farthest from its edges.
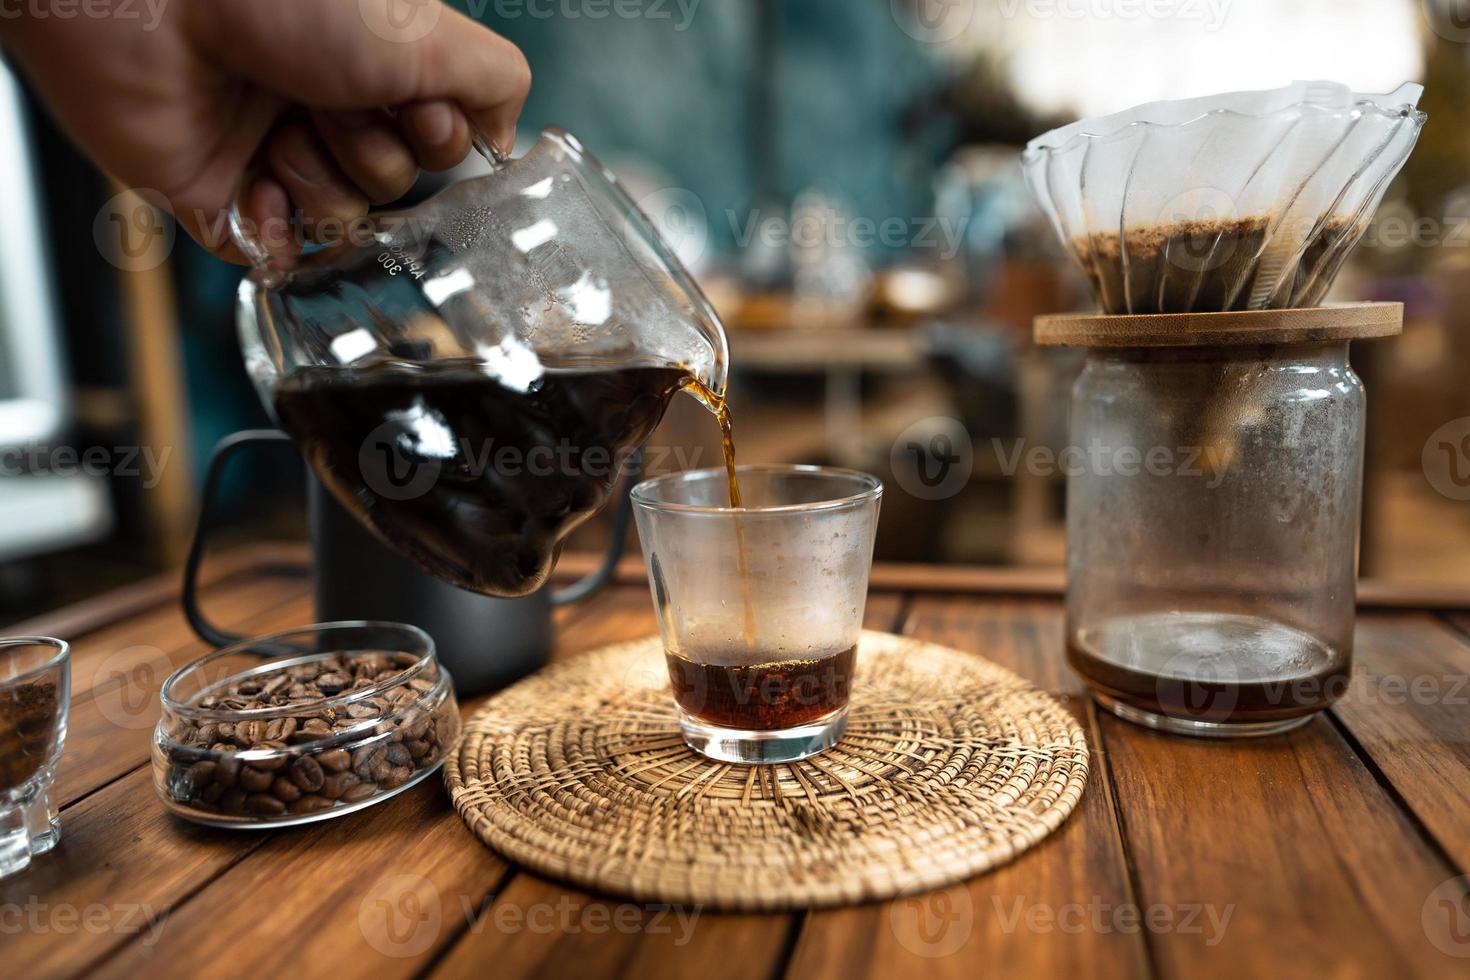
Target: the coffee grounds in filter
(1205, 265)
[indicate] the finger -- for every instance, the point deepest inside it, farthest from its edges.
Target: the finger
(265, 215)
(360, 63)
(202, 204)
(209, 229)
(265, 223)
(267, 207)
(438, 132)
(319, 191)
(370, 151)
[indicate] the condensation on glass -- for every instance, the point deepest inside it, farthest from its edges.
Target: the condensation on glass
(1212, 530)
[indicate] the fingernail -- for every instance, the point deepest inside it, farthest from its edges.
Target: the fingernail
(436, 124)
(307, 166)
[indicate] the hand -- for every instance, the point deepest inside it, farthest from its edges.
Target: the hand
(337, 111)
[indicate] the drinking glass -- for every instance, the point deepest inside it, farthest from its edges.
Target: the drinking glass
(35, 691)
(760, 607)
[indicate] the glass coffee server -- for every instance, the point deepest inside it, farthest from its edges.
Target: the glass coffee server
(1212, 529)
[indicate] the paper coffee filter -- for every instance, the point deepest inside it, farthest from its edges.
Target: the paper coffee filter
(1248, 200)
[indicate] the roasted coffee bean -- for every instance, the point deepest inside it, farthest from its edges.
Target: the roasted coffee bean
(396, 777)
(415, 724)
(366, 758)
(285, 790)
(338, 783)
(248, 687)
(276, 685)
(369, 708)
(280, 729)
(397, 755)
(249, 732)
(334, 760)
(366, 755)
(359, 793)
(417, 749)
(232, 800)
(211, 793)
(198, 776)
(265, 806)
(205, 733)
(311, 804)
(333, 683)
(370, 663)
(227, 771)
(269, 763)
(307, 774)
(254, 780)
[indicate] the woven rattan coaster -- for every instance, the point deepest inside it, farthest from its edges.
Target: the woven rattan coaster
(950, 765)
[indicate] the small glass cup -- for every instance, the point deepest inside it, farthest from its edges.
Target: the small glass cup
(35, 693)
(760, 607)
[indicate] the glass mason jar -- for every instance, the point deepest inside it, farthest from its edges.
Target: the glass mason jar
(1212, 528)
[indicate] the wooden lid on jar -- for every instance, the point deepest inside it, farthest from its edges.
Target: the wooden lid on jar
(1339, 321)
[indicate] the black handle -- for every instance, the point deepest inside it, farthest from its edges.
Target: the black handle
(225, 450)
(586, 586)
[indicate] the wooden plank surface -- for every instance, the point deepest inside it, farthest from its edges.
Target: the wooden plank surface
(1408, 709)
(1289, 855)
(1313, 854)
(1003, 923)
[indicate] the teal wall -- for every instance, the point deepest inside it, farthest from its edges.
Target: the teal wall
(687, 99)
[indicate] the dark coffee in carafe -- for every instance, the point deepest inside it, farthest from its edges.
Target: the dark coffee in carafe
(476, 479)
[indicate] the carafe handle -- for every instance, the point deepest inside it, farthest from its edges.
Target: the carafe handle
(486, 147)
(225, 450)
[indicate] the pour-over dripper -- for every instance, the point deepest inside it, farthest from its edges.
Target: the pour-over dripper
(1244, 201)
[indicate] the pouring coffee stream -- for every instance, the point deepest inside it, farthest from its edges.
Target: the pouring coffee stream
(716, 404)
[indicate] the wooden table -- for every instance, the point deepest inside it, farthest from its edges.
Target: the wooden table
(1317, 853)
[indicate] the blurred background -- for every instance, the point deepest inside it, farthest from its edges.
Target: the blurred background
(842, 177)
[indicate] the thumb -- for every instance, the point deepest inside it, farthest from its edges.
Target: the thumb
(361, 54)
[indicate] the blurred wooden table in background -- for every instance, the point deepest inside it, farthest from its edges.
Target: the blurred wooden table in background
(1335, 850)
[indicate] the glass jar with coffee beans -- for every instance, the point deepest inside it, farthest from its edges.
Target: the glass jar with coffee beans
(303, 725)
